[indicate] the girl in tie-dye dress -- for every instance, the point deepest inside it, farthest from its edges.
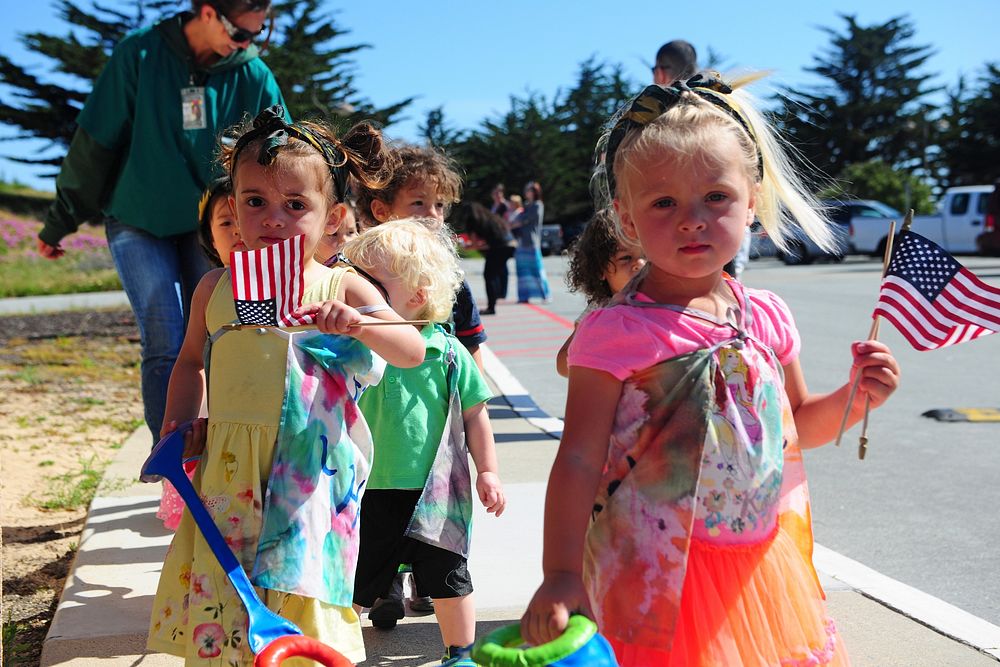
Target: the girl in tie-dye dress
(677, 512)
(287, 452)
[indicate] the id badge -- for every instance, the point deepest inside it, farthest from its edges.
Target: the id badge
(193, 108)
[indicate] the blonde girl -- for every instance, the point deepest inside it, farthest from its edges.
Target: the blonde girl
(277, 398)
(676, 511)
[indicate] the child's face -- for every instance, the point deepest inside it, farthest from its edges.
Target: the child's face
(689, 217)
(274, 204)
(416, 199)
(331, 244)
(405, 301)
(225, 233)
(625, 263)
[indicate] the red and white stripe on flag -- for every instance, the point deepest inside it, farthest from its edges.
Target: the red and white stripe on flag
(933, 300)
(271, 275)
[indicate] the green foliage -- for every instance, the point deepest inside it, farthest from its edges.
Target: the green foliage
(436, 131)
(316, 76)
(315, 72)
(45, 110)
(549, 142)
(73, 490)
(875, 179)
(87, 266)
(969, 132)
(873, 104)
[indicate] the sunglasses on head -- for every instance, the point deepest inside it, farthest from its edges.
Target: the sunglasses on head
(236, 33)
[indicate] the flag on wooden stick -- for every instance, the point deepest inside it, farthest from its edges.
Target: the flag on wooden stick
(932, 299)
(268, 284)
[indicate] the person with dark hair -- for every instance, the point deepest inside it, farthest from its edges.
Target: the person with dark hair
(500, 204)
(676, 60)
(527, 227)
(489, 232)
(143, 153)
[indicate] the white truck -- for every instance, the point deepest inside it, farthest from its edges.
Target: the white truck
(959, 220)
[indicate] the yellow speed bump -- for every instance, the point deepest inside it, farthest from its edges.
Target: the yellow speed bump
(964, 414)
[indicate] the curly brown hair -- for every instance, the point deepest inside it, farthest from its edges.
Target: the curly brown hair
(590, 255)
(369, 162)
(413, 163)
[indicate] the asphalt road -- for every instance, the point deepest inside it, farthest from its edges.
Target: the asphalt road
(924, 506)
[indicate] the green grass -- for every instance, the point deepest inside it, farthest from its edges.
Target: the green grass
(12, 646)
(34, 276)
(73, 490)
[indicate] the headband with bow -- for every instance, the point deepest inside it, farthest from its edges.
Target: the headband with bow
(270, 124)
(656, 100)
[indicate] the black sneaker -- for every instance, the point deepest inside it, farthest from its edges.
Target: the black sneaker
(386, 611)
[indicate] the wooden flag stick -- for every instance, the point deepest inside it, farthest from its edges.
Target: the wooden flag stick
(233, 326)
(872, 335)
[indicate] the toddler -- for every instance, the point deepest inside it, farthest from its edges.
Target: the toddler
(425, 422)
(279, 396)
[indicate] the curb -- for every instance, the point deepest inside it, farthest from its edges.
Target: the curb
(26, 305)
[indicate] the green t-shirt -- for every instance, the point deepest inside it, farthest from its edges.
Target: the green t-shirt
(407, 410)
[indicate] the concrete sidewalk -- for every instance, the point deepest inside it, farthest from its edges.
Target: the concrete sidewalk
(103, 613)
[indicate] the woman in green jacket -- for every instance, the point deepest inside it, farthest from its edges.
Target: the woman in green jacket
(143, 154)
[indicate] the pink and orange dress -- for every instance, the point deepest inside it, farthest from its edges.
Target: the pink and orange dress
(699, 550)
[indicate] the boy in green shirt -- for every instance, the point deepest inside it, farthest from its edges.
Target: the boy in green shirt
(417, 506)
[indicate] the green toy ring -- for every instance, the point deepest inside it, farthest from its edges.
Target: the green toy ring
(499, 648)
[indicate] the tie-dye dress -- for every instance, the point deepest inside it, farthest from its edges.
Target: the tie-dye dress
(287, 456)
(699, 548)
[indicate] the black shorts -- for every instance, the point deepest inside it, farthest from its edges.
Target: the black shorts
(385, 514)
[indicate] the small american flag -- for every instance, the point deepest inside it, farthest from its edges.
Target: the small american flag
(932, 299)
(268, 284)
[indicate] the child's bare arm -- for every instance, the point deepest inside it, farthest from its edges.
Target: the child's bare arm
(818, 416)
(186, 389)
(479, 437)
(402, 345)
(590, 409)
(562, 356)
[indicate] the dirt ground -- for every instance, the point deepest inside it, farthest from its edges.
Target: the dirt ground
(69, 397)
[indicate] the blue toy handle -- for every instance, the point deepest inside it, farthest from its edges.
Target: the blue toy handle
(579, 646)
(165, 461)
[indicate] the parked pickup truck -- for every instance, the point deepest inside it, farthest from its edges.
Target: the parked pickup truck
(954, 227)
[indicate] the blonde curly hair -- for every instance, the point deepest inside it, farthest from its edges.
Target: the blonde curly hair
(420, 253)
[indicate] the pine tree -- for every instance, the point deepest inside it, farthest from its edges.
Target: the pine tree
(43, 109)
(437, 132)
(969, 145)
(552, 143)
(872, 105)
(315, 72)
(315, 75)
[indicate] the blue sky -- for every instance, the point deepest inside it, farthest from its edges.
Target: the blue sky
(471, 56)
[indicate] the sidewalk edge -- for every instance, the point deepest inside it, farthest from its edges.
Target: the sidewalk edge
(938, 615)
(517, 397)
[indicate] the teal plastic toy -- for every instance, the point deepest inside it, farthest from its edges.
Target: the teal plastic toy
(579, 646)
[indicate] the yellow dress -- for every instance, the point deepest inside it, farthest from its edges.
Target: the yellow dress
(196, 613)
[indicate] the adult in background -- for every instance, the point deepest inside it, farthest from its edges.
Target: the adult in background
(500, 204)
(675, 60)
(527, 228)
(143, 154)
(490, 234)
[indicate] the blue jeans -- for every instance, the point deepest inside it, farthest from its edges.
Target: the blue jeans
(159, 277)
